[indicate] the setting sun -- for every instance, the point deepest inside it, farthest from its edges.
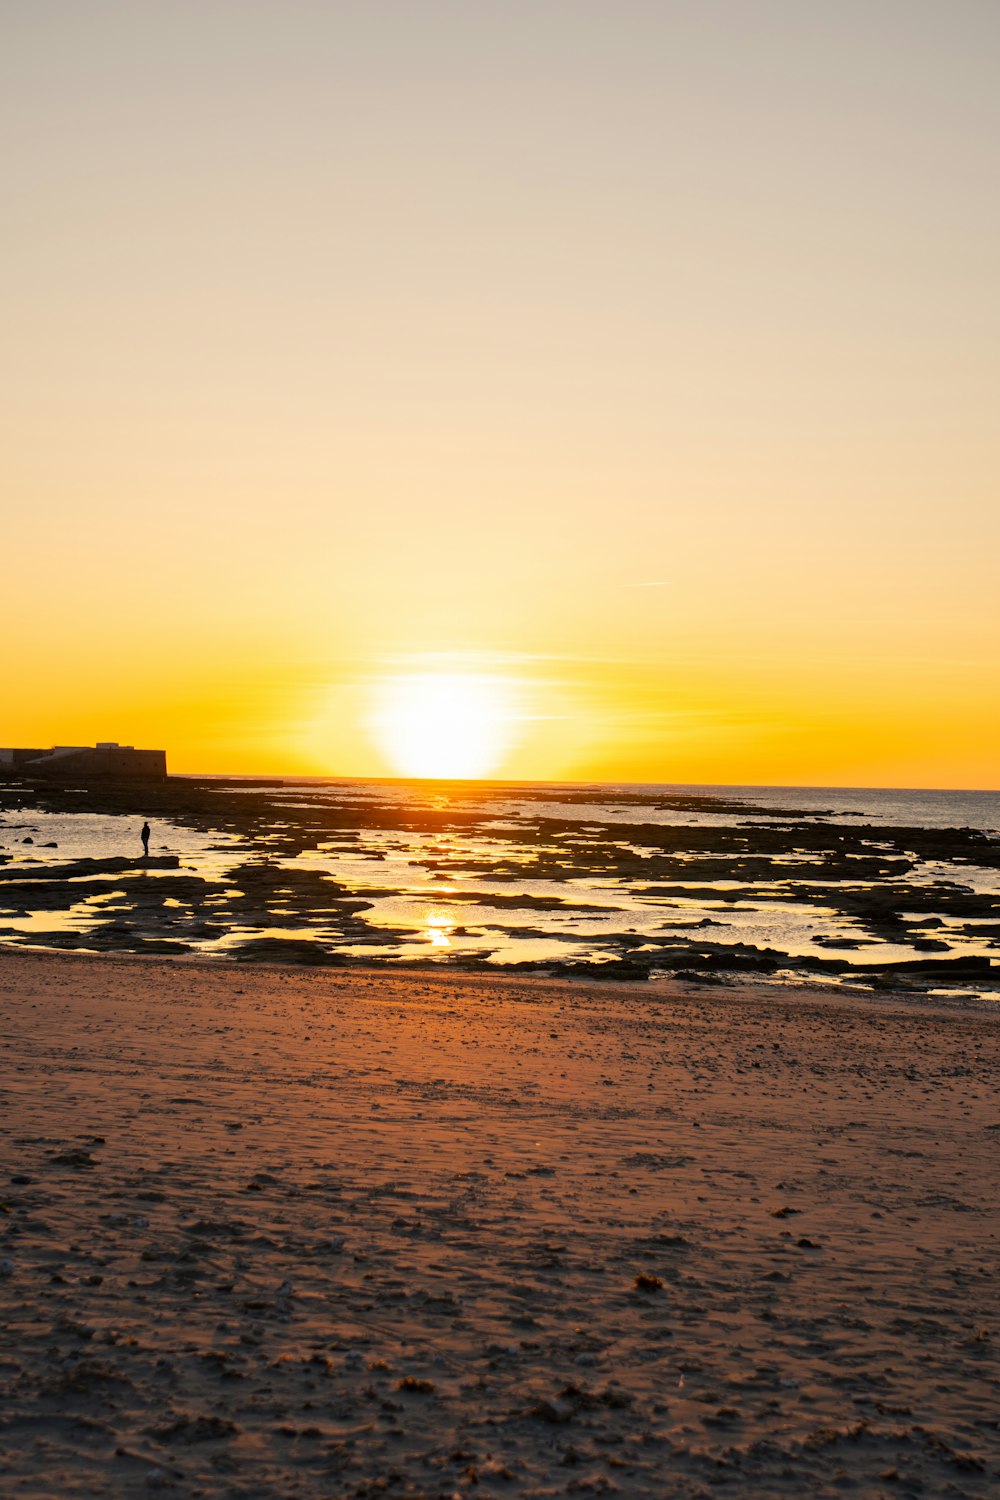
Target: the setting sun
(444, 724)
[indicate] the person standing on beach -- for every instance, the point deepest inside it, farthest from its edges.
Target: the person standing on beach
(144, 835)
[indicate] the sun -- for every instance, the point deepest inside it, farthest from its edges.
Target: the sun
(445, 725)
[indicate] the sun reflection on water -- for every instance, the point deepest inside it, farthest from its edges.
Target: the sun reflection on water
(438, 929)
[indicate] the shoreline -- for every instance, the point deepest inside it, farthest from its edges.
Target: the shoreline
(271, 1231)
(655, 883)
(726, 985)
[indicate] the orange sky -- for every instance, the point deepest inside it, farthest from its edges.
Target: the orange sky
(641, 359)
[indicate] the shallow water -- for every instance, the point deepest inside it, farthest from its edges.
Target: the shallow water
(512, 875)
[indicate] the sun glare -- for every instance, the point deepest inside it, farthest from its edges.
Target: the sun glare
(447, 725)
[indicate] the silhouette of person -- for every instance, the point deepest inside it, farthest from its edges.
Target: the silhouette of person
(144, 835)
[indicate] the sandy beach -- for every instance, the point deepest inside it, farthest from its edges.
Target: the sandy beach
(271, 1232)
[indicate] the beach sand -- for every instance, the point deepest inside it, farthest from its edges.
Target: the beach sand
(275, 1233)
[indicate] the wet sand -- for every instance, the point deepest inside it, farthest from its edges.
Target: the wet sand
(271, 1232)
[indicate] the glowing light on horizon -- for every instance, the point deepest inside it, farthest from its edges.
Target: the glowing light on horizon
(444, 725)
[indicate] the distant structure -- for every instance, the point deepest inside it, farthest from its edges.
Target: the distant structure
(105, 761)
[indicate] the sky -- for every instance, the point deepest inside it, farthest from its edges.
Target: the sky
(631, 368)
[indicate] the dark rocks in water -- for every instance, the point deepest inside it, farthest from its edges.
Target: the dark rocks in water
(146, 896)
(79, 868)
(620, 970)
(712, 957)
(698, 963)
(156, 945)
(522, 902)
(273, 950)
(969, 966)
(878, 881)
(111, 939)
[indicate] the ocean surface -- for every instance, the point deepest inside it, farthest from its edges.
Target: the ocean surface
(537, 875)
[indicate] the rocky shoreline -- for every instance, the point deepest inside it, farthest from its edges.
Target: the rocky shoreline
(900, 886)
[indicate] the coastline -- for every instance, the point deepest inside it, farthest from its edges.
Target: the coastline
(417, 1231)
(600, 882)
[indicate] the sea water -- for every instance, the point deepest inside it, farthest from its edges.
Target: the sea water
(426, 905)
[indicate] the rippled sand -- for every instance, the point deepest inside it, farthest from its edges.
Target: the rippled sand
(345, 1233)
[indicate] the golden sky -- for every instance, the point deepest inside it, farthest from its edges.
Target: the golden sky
(630, 368)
